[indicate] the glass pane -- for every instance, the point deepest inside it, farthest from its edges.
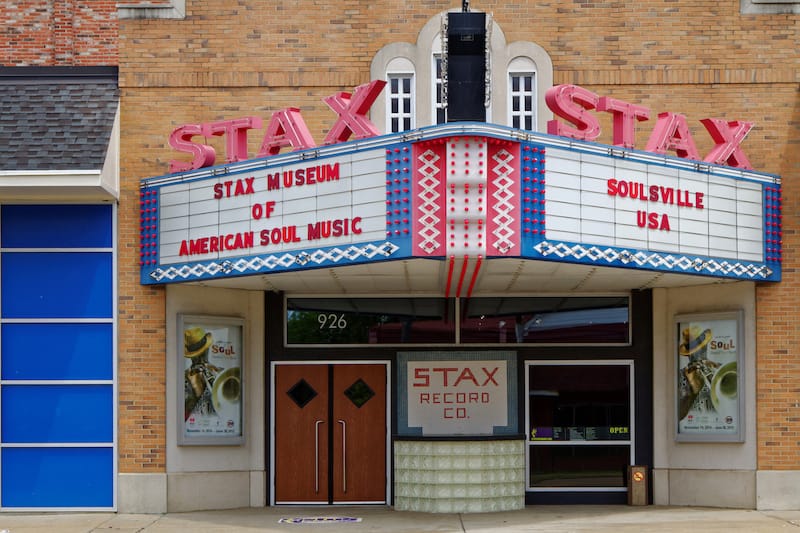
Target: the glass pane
(528, 83)
(515, 103)
(579, 402)
(56, 226)
(359, 393)
(528, 123)
(528, 103)
(407, 85)
(301, 393)
(370, 320)
(440, 116)
(578, 466)
(515, 121)
(57, 285)
(395, 106)
(407, 105)
(546, 320)
(515, 83)
(57, 351)
(57, 477)
(406, 124)
(395, 125)
(394, 85)
(57, 413)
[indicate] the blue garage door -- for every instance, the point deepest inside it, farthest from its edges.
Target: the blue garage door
(57, 357)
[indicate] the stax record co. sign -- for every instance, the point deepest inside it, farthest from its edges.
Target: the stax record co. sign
(461, 192)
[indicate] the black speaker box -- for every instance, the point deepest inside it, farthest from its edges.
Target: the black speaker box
(466, 67)
(466, 33)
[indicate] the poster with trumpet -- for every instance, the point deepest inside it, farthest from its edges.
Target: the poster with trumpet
(212, 380)
(709, 377)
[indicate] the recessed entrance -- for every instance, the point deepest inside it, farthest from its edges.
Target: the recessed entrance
(330, 433)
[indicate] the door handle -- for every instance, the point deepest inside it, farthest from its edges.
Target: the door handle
(316, 454)
(344, 455)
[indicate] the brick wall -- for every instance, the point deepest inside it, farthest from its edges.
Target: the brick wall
(229, 59)
(59, 33)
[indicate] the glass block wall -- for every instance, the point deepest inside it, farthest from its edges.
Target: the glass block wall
(57, 357)
(459, 477)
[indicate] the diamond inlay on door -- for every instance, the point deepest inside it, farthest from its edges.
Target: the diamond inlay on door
(301, 393)
(359, 393)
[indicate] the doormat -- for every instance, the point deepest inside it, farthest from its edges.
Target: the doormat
(319, 520)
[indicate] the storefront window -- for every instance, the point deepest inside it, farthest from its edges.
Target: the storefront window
(410, 320)
(579, 424)
(370, 321)
(573, 320)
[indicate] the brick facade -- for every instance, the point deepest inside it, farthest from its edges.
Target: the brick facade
(239, 58)
(236, 58)
(52, 33)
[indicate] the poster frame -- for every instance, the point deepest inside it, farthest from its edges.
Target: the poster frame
(730, 320)
(236, 330)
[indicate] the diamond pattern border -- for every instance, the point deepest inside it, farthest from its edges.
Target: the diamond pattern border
(696, 265)
(268, 263)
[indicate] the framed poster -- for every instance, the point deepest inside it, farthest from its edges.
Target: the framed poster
(211, 380)
(710, 377)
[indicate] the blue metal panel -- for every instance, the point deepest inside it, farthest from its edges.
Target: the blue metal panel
(57, 351)
(57, 285)
(56, 226)
(57, 477)
(57, 413)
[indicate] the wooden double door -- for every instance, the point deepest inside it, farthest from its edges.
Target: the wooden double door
(330, 433)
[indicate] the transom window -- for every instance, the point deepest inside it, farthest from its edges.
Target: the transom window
(556, 320)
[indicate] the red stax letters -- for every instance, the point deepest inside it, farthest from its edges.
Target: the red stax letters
(625, 117)
(352, 111)
(235, 132)
(670, 134)
(572, 103)
(181, 140)
(728, 136)
(286, 128)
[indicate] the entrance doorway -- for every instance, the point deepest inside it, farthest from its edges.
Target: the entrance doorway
(330, 433)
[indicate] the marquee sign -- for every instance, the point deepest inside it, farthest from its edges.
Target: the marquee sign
(464, 190)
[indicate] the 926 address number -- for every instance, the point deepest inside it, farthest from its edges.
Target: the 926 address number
(331, 321)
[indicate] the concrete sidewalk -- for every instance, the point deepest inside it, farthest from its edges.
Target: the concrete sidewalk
(382, 519)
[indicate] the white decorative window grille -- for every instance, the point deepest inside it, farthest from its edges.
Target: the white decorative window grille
(401, 102)
(522, 100)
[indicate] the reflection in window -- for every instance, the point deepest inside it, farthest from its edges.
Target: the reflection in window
(369, 321)
(578, 466)
(579, 424)
(546, 320)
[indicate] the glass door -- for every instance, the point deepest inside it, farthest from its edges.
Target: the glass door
(579, 425)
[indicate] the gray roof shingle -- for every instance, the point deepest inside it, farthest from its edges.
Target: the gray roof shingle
(56, 119)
